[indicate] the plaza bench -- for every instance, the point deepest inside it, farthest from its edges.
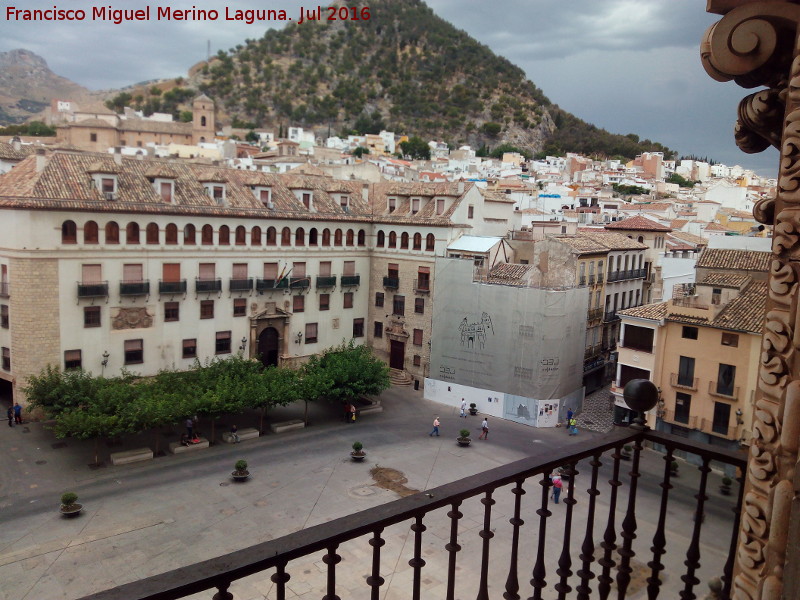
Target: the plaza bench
(130, 456)
(244, 434)
(287, 425)
(177, 447)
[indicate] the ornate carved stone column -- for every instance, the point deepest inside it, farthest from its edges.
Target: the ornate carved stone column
(756, 44)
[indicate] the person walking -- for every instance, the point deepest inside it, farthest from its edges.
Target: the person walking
(17, 413)
(570, 414)
(10, 413)
(557, 485)
(435, 427)
(189, 428)
(484, 430)
(572, 426)
(463, 408)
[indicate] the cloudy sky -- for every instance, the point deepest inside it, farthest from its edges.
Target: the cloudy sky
(629, 66)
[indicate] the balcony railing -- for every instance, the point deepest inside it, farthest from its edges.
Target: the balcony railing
(594, 313)
(610, 316)
(240, 285)
(683, 382)
(582, 280)
(299, 282)
(527, 556)
(613, 275)
(208, 285)
(4, 289)
(391, 283)
(172, 287)
(591, 279)
(687, 421)
(715, 389)
(134, 288)
(720, 429)
(98, 289)
(422, 286)
(350, 280)
(271, 284)
(326, 282)
(599, 278)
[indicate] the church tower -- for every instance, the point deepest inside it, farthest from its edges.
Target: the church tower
(203, 124)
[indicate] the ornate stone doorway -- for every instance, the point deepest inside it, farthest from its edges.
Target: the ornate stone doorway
(268, 330)
(269, 347)
(397, 354)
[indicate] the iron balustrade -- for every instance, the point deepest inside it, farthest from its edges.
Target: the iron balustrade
(614, 275)
(599, 278)
(208, 285)
(582, 280)
(594, 313)
(422, 285)
(350, 280)
(240, 285)
(391, 283)
(271, 284)
(134, 288)
(98, 289)
(716, 388)
(172, 287)
(3, 289)
(591, 279)
(299, 282)
(326, 282)
(608, 563)
(679, 381)
(610, 316)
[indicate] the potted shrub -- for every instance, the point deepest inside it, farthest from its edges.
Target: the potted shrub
(358, 453)
(463, 437)
(725, 487)
(673, 468)
(473, 409)
(626, 452)
(240, 472)
(69, 504)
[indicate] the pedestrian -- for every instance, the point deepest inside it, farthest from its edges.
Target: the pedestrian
(463, 408)
(17, 413)
(557, 485)
(235, 434)
(572, 426)
(484, 430)
(189, 428)
(10, 413)
(435, 427)
(347, 412)
(569, 417)
(352, 413)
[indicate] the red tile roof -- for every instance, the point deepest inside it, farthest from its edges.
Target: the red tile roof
(637, 223)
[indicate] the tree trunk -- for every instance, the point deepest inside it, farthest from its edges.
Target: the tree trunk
(305, 413)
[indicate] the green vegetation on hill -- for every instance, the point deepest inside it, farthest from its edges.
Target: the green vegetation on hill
(34, 128)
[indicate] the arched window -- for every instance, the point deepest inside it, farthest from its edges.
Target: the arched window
(255, 236)
(151, 233)
(286, 237)
(207, 235)
(430, 240)
(392, 239)
(171, 234)
(312, 236)
(91, 235)
(224, 236)
(350, 237)
(202, 121)
(132, 233)
(362, 237)
(69, 232)
(112, 233)
(272, 236)
(300, 237)
(241, 236)
(189, 235)
(381, 239)
(337, 237)
(417, 241)
(404, 240)
(326, 237)
(640, 239)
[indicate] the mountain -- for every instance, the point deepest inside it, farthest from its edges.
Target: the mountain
(27, 85)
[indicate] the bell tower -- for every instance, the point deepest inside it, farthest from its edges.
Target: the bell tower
(203, 124)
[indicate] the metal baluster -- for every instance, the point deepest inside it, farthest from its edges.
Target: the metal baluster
(375, 581)
(486, 534)
(608, 544)
(331, 559)
(659, 539)
(222, 592)
(587, 548)
(539, 571)
(727, 577)
(512, 583)
(565, 560)
(452, 548)
(280, 577)
(693, 553)
(628, 533)
(417, 562)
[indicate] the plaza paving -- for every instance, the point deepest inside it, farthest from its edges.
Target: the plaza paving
(151, 517)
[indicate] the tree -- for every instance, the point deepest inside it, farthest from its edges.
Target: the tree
(353, 371)
(416, 148)
(360, 151)
(491, 128)
(186, 116)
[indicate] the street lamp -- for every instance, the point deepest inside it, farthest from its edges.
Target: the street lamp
(104, 362)
(243, 345)
(739, 420)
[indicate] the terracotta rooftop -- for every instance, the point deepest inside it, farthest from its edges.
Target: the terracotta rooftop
(581, 244)
(678, 223)
(747, 311)
(655, 312)
(7, 151)
(729, 280)
(735, 260)
(688, 238)
(509, 274)
(492, 196)
(612, 240)
(716, 227)
(637, 223)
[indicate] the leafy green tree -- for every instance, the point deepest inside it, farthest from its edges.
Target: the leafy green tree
(360, 151)
(251, 136)
(353, 371)
(416, 148)
(186, 116)
(491, 128)
(681, 181)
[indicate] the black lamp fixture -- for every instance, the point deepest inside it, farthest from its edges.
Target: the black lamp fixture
(243, 345)
(299, 337)
(104, 362)
(739, 420)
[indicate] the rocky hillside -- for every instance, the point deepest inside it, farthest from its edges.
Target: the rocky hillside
(27, 85)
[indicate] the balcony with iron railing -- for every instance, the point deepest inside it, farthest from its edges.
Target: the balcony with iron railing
(582, 280)
(610, 315)
(719, 389)
(718, 428)
(3, 289)
(592, 279)
(422, 286)
(326, 281)
(599, 278)
(240, 285)
(594, 314)
(514, 539)
(97, 289)
(172, 287)
(391, 283)
(350, 280)
(684, 420)
(613, 275)
(134, 288)
(263, 285)
(677, 380)
(299, 282)
(207, 285)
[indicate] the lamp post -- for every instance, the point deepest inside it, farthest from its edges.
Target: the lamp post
(243, 345)
(104, 362)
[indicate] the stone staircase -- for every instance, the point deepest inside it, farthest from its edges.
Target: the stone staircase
(400, 377)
